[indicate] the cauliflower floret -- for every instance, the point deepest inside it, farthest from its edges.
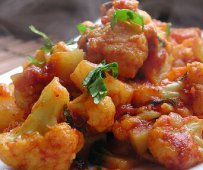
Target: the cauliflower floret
(130, 4)
(182, 34)
(194, 84)
(99, 116)
(177, 142)
(198, 48)
(195, 73)
(186, 45)
(10, 114)
(135, 129)
(197, 102)
(143, 93)
(40, 142)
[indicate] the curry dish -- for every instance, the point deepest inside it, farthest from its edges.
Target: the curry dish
(129, 94)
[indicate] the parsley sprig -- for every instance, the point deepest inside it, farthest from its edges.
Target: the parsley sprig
(35, 62)
(171, 101)
(48, 43)
(94, 82)
(127, 15)
(68, 116)
(82, 28)
(168, 29)
(162, 43)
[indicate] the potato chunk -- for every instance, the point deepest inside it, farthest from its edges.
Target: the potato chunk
(64, 63)
(81, 72)
(30, 83)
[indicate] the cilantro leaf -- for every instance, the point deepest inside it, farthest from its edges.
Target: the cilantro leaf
(171, 101)
(68, 116)
(168, 29)
(48, 43)
(94, 82)
(184, 77)
(162, 43)
(82, 28)
(35, 62)
(127, 15)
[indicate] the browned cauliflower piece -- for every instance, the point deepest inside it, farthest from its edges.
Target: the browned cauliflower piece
(130, 4)
(99, 116)
(40, 142)
(194, 84)
(195, 73)
(10, 113)
(135, 129)
(125, 44)
(176, 142)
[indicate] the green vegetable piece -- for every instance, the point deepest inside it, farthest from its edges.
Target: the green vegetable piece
(94, 82)
(127, 15)
(35, 62)
(48, 43)
(82, 28)
(168, 29)
(173, 102)
(184, 77)
(162, 43)
(68, 116)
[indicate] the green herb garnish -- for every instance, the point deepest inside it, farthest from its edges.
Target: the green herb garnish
(184, 77)
(162, 43)
(48, 43)
(127, 15)
(82, 28)
(94, 82)
(68, 116)
(168, 29)
(35, 62)
(173, 102)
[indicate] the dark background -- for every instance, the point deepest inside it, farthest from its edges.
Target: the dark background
(58, 18)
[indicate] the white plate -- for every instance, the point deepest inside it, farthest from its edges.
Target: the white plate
(5, 78)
